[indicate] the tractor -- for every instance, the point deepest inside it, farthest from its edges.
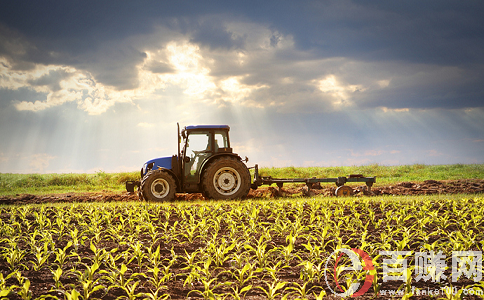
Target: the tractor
(205, 164)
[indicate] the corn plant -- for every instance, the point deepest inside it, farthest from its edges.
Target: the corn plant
(208, 292)
(57, 275)
(14, 256)
(261, 255)
(61, 255)
(130, 289)
(239, 294)
(99, 254)
(220, 252)
(4, 289)
(300, 290)
(271, 291)
(42, 255)
(138, 253)
(153, 295)
(117, 277)
(274, 269)
(23, 289)
(286, 252)
(246, 274)
(87, 279)
(309, 272)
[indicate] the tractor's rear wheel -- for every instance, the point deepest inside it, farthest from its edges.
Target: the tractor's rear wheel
(158, 185)
(226, 178)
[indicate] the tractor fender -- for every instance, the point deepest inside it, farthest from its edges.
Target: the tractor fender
(213, 157)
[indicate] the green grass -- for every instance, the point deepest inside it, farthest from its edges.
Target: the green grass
(11, 184)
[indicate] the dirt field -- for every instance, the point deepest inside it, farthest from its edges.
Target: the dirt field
(428, 187)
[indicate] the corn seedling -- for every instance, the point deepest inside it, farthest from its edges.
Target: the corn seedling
(271, 291)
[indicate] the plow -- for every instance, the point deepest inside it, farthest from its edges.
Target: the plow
(342, 190)
(205, 163)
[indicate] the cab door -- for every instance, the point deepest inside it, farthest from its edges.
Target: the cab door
(198, 148)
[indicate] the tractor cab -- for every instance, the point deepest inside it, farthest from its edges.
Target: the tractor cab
(201, 145)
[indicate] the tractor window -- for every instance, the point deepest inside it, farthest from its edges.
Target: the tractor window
(198, 148)
(221, 140)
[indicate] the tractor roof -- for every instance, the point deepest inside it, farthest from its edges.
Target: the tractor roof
(205, 127)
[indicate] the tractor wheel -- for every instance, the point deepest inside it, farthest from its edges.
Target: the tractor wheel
(157, 185)
(344, 191)
(226, 178)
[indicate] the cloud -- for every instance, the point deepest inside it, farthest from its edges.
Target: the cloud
(59, 85)
(341, 94)
(218, 57)
(255, 77)
(51, 80)
(113, 64)
(386, 109)
(212, 32)
(437, 32)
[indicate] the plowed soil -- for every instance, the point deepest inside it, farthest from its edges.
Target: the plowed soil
(428, 187)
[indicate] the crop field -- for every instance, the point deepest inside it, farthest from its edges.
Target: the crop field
(254, 249)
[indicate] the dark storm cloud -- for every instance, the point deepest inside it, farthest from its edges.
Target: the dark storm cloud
(436, 31)
(15, 48)
(445, 32)
(428, 98)
(82, 34)
(427, 88)
(113, 64)
(95, 36)
(212, 32)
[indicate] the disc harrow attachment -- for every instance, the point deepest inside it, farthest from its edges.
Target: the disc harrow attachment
(342, 190)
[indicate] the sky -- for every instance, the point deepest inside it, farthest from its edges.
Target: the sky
(88, 86)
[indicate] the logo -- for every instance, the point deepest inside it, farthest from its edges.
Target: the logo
(354, 256)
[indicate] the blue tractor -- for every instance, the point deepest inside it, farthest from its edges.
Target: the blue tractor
(205, 164)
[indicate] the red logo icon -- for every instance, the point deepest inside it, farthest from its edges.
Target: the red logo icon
(354, 256)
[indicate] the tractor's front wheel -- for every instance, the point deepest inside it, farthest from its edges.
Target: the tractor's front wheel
(226, 178)
(158, 185)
